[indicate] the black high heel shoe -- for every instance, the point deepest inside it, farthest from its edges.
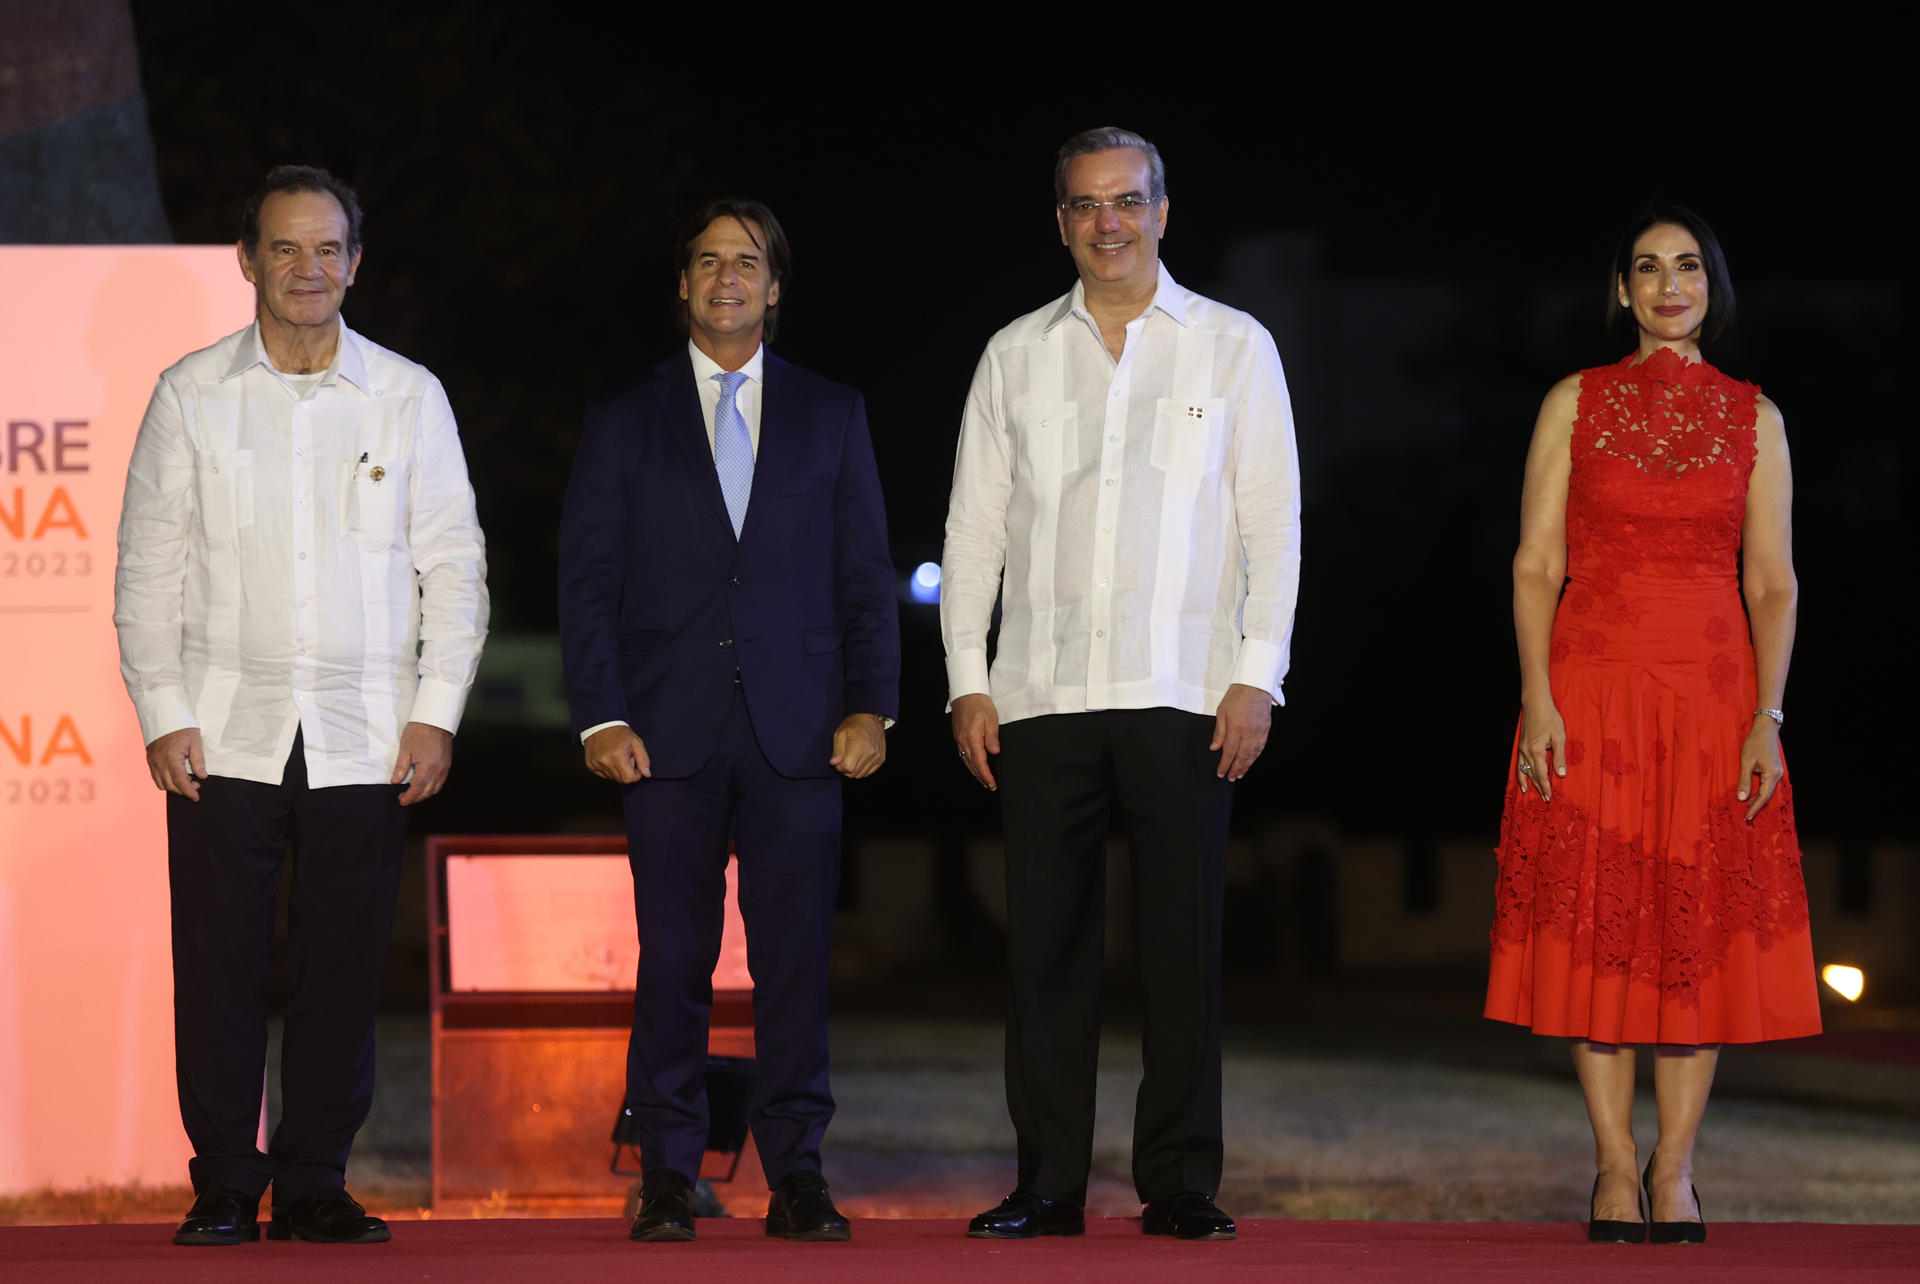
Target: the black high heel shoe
(1607, 1231)
(1673, 1232)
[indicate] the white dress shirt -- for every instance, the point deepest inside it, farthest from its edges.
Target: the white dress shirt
(1145, 513)
(747, 398)
(299, 556)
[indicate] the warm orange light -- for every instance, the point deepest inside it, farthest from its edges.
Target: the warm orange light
(1847, 982)
(87, 1090)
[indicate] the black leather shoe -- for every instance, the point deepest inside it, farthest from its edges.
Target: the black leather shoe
(1188, 1215)
(327, 1217)
(1023, 1215)
(801, 1209)
(1602, 1230)
(1673, 1232)
(666, 1209)
(220, 1217)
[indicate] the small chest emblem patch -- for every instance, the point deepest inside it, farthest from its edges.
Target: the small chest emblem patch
(1196, 412)
(377, 473)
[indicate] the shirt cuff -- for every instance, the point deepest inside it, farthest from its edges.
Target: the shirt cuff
(439, 704)
(967, 675)
(162, 711)
(1258, 665)
(602, 726)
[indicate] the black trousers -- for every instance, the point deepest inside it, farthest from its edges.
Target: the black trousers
(1061, 778)
(224, 855)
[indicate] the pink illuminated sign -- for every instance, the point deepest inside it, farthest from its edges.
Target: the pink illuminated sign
(558, 924)
(86, 997)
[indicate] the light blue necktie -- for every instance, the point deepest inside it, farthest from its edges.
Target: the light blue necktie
(732, 449)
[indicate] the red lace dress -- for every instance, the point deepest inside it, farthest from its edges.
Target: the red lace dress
(1640, 906)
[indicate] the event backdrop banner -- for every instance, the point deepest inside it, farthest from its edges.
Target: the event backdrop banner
(86, 994)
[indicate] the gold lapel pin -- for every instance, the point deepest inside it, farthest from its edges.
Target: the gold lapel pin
(376, 472)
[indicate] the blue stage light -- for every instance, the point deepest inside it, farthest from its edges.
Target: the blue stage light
(925, 584)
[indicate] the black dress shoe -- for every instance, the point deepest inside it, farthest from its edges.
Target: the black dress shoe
(220, 1217)
(801, 1209)
(1603, 1230)
(1188, 1215)
(666, 1209)
(327, 1217)
(1673, 1232)
(1022, 1215)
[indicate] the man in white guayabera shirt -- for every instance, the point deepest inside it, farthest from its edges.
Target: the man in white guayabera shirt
(1127, 487)
(301, 599)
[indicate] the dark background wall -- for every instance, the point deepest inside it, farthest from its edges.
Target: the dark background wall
(1419, 205)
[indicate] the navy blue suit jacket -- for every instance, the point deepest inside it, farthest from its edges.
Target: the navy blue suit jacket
(660, 604)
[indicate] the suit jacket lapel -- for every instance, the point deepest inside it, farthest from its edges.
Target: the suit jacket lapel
(686, 424)
(779, 452)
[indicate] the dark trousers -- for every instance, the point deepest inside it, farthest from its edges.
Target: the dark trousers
(786, 834)
(224, 855)
(1061, 777)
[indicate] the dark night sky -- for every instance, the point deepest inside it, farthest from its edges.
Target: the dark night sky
(524, 173)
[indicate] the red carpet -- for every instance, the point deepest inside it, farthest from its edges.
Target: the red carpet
(1113, 1252)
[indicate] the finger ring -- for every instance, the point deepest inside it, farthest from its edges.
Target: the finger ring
(963, 755)
(1526, 769)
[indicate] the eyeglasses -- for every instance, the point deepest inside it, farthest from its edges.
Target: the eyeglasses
(1081, 211)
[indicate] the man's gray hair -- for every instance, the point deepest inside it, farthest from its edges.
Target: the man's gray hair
(1105, 139)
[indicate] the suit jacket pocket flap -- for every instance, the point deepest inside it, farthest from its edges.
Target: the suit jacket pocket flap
(639, 643)
(805, 484)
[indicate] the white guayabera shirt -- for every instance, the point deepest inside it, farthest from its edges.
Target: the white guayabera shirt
(299, 554)
(1146, 513)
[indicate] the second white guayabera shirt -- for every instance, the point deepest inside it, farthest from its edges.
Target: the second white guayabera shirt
(1145, 512)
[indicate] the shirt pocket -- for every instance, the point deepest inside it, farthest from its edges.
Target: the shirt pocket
(1047, 437)
(223, 481)
(1189, 437)
(376, 501)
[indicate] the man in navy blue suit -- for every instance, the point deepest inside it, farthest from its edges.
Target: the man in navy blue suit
(732, 649)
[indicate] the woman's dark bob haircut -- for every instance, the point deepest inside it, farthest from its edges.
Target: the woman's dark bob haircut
(1720, 309)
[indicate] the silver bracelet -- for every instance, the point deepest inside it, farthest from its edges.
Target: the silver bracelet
(1779, 716)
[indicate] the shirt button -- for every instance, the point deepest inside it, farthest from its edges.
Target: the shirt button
(1113, 436)
(1109, 481)
(303, 503)
(303, 603)
(1101, 583)
(303, 557)
(1043, 423)
(1099, 633)
(299, 450)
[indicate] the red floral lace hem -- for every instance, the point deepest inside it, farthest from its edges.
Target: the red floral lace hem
(1663, 921)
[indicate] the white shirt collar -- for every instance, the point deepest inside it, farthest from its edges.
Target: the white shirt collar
(348, 362)
(705, 367)
(1169, 296)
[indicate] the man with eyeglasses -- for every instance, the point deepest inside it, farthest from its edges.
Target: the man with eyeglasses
(1127, 464)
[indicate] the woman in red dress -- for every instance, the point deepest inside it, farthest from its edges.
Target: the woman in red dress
(1650, 888)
